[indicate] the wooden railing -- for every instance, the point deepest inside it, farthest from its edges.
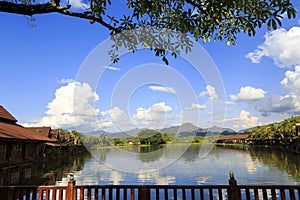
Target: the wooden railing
(232, 191)
(273, 192)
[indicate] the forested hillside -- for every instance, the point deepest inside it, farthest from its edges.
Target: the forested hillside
(284, 130)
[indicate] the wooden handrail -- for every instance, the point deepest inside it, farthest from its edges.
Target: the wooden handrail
(232, 191)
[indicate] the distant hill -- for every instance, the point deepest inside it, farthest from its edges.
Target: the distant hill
(125, 134)
(186, 129)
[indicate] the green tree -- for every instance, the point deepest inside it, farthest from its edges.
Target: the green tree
(283, 130)
(151, 137)
(75, 136)
(167, 138)
(206, 19)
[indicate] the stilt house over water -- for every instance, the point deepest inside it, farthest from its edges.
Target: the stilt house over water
(18, 144)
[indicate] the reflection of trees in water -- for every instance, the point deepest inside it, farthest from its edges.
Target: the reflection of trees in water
(45, 172)
(191, 154)
(150, 153)
(283, 160)
(56, 169)
(100, 153)
(153, 153)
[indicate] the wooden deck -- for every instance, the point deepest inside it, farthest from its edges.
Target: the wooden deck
(232, 191)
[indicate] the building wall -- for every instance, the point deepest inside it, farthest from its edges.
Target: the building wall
(3, 152)
(12, 152)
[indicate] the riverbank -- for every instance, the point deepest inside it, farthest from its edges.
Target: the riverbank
(251, 146)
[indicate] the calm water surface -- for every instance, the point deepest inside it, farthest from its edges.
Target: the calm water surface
(134, 165)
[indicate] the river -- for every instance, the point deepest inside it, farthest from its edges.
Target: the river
(135, 165)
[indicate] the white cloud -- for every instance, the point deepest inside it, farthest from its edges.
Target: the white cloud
(286, 104)
(157, 177)
(112, 68)
(245, 121)
(73, 106)
(114, 113)
(151, 113)
(210, 91)
(280, 45)
(274, 104)
(153, 117)
(195, 106)
(162, 89)
(249, 93)
(291, 82)
(160, 108)
(78, 4)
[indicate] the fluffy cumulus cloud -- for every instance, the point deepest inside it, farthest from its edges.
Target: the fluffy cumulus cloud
(73, 107)
(283, 46)
(274, 104)
(162, 89)
(152, 117)
(245, 121)
(249, 93)
(292, 80)
(284, 104)
(210, 91)
(291, 83)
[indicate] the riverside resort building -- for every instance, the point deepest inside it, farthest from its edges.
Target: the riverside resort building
(17, 143)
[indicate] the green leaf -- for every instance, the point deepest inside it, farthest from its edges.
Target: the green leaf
(274, 25)
(228, 42)
(269, 24)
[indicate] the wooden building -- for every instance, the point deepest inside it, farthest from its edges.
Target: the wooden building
(235, 139)
(17, 143)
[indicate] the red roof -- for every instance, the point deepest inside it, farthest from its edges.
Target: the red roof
(14, 131)
(233, 137)
(9, 129)
(6, 116)
(44, 131)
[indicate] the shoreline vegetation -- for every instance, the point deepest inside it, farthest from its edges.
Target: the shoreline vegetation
(285, 135)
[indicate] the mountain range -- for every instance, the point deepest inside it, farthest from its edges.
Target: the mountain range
(184, 130)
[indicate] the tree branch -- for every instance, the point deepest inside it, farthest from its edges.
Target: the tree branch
(89, 17)
(31, 9)
(50, 7)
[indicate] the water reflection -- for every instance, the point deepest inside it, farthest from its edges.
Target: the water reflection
(44, 172)
(136, 158)
(251, 166)
(285, 161)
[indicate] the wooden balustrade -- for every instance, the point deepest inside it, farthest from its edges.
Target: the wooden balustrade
(232, 191)
(258, 192)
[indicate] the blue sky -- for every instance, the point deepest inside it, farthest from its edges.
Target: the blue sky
(41, 69)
